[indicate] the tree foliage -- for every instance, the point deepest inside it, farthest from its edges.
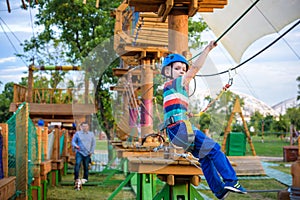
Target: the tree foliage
(196, 27)
(71, 33)
(5, 100)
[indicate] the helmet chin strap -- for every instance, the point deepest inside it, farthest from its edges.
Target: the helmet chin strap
(171, 70)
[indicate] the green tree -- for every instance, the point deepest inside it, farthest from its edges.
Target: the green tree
(293, 115)
(204, 121)
(281, 125)
(268, 123)
(256, 121)
(80, 28)
(5, 100)
(196, 27)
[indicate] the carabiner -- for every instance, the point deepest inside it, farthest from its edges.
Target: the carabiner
(230, 81)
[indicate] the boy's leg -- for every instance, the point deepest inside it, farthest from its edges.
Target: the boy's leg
(212, 177)
(211, 150)
(207, 147)
(78, 159)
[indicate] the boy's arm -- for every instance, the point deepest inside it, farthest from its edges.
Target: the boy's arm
(191, 73)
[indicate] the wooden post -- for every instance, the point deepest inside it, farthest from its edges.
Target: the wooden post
(4, 133)
(147, 96)
(237, 109)
(45, 142)
(30, 84)
(22, 152)
(55, 150)
(39, 140)
(295, 169)
(178, 31)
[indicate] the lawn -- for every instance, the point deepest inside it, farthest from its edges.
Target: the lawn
(271, 146)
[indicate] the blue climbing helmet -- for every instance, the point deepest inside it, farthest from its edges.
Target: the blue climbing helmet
(170, 59)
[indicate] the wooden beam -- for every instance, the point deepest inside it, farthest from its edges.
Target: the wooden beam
(193, 7)
(169, 6)
(57, 109)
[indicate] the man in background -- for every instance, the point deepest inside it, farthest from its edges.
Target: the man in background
(84, 144)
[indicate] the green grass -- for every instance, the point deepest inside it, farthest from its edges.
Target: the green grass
(101, 192)
(252, 185)
(272, 146)
(101, 144)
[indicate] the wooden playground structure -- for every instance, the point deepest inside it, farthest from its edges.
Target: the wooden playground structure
(142, 39)
(51, 155)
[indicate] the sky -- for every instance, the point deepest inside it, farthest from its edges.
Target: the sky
(270, 77)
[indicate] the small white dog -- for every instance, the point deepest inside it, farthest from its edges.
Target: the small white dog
(78, 184)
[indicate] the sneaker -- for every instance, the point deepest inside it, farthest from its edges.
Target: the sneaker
(83, 181)
(223, 194)
(235, 186)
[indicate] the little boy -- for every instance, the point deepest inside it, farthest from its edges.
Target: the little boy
(182, 133)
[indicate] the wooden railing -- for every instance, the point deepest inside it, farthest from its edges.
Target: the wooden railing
(49, 96)
(20, 93)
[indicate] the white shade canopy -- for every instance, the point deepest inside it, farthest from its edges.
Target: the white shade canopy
(268, 16)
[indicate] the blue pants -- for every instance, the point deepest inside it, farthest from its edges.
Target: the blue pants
(213, 161)
(85, 161)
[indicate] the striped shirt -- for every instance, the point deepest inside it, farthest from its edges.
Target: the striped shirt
(175, 99)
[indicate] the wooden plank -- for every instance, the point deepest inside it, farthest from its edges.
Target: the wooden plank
(159, 165)
(57, 109)
(45, 141)
(130, 153)
(156, 6)
(247, 165)
(45, 167)
(4, 133)
(55, 150)
(57, 164)
(7, 187)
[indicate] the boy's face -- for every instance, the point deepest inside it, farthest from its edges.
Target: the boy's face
(179, 69)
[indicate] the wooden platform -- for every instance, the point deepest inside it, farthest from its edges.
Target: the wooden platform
(148, 165)
(57, 109)
(7, 187)
(57, 164)
(45, 169)
(247, 165)
(125, 153)
(162, 7)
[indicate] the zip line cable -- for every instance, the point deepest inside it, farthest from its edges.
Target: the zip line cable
(10, 30)
(247, 60)
(33, 35)
(11, 43)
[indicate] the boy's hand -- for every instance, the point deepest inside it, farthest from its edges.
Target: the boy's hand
(77, 147)
(212, 45)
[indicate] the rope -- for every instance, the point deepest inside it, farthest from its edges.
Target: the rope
(213, 101)
(189, 157)
(156, 109)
